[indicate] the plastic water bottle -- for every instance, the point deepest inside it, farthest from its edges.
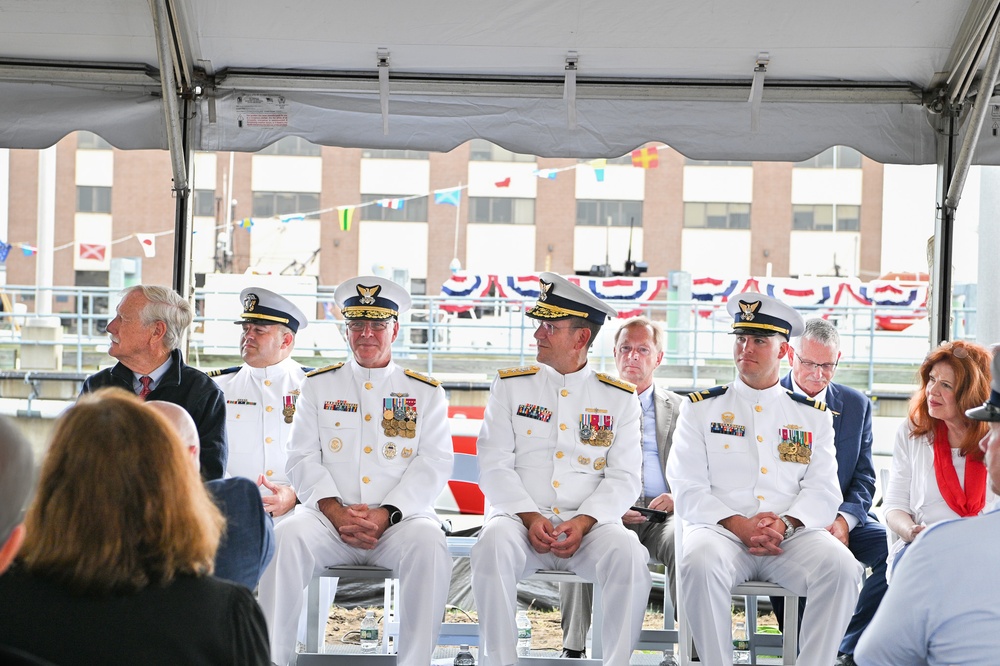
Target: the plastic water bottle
(464, 657)
(741, 645)
(369, 633)
(523, 634)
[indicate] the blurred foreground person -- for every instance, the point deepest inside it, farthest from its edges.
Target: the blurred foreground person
(117, 560)
(942, 605)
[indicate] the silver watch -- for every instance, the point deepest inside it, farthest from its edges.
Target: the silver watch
(789, 528)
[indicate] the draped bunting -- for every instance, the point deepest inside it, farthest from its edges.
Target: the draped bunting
(816, 295)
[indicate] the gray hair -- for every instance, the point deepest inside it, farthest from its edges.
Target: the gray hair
(636, 322)
(166, 305)
(821, 331)
(17, 472)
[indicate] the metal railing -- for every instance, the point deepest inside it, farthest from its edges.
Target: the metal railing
(445, 335)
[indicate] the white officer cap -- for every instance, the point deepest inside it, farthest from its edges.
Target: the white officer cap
(760, 315)
(559, 298)
(371, 297)
(262, 306)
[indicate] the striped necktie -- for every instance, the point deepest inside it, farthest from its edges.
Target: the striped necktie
(145, 381)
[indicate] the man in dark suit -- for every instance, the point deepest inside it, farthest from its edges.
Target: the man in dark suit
(247, 545)
(638, 351)
(814, 357)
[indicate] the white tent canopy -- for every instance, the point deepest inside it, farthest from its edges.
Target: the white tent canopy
(853, 73)
(714, 79)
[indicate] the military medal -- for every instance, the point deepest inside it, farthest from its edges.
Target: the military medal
(599, 464)
(596, 429)
(796, 445)
(288, 411)
(389, 450)
(399, 417)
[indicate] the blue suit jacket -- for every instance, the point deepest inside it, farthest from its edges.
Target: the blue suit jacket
(852, 424)
(247, 546)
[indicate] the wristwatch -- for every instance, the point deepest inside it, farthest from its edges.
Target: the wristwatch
(789, 528)
(395, 515)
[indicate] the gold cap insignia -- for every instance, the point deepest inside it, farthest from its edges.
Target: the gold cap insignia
(250, 302)
(749, 309)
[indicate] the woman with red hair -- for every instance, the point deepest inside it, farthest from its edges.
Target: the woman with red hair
(937, 468)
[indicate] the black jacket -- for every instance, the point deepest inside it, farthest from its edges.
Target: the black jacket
(192, 390)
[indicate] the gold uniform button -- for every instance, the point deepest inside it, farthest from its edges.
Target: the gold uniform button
(268, 440)
(564, 393)
(267, 382)
(760, 438)
(336, 444)
(368, 449)
(337, 424)
(270, 472)
(269, 408)
(529, 432)
(368, 417)
(725, 446)
(365, 479)
(760, 497)
(559, 454)
(555, 484)
(368, 386)
(555, 510)
(237, 416)
(763, 470)
(562, 426)
(758, 408)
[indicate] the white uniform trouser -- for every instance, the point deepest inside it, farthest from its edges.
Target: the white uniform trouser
(814, 565)
(609, 555)
(307, 543)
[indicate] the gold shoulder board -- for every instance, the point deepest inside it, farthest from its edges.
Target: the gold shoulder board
(806, 400)
(319, 371)
(715, 391)
(423, 378)
(507, 373)
(628, 387)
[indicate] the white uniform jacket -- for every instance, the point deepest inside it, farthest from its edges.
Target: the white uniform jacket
(256, 403)
(343, 445)
(748, 451)
(533, 456)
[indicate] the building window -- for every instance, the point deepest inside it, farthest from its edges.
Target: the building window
(90, 141)
(93, 199)
(291, 145)
(484, 151)
(204, 203)
(608, 213)
(413, 210)
(716, 163)
(497, 210)
(821, 218)
(837, 157)
(699, 215)
(273, 204)
(374, 154)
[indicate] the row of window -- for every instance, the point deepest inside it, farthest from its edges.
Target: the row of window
(505, 210)
(836, 157)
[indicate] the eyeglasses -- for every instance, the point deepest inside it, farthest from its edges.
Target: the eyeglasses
(642, 350)
(374, 326)
(549, 328)
(809, 366)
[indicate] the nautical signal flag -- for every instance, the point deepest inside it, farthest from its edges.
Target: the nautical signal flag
(452, 197)
(28, 250)
(394, 204)
(503, 183)
(4, 251)
(598, 166)
(345, 215)
(646, 158)
(148, 243)
(92, 251)
(245, 223)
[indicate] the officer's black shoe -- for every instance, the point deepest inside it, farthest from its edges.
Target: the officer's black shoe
(844, 660)
(574, 654)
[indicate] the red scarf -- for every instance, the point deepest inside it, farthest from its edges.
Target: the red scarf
(968, 502)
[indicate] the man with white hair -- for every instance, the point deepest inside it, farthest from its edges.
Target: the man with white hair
(942, 605)
(145, 337)
(248, 544)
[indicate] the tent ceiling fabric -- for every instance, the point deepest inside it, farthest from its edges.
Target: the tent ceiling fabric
(852, 73)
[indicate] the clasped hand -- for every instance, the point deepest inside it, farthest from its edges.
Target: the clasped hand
(357, 524)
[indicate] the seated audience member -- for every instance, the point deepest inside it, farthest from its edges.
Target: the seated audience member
(937, 470)
(942, 605)
(16, 473)
(119, 549)
(248, 542)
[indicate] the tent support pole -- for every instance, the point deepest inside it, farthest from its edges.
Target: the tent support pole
(176, 122)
